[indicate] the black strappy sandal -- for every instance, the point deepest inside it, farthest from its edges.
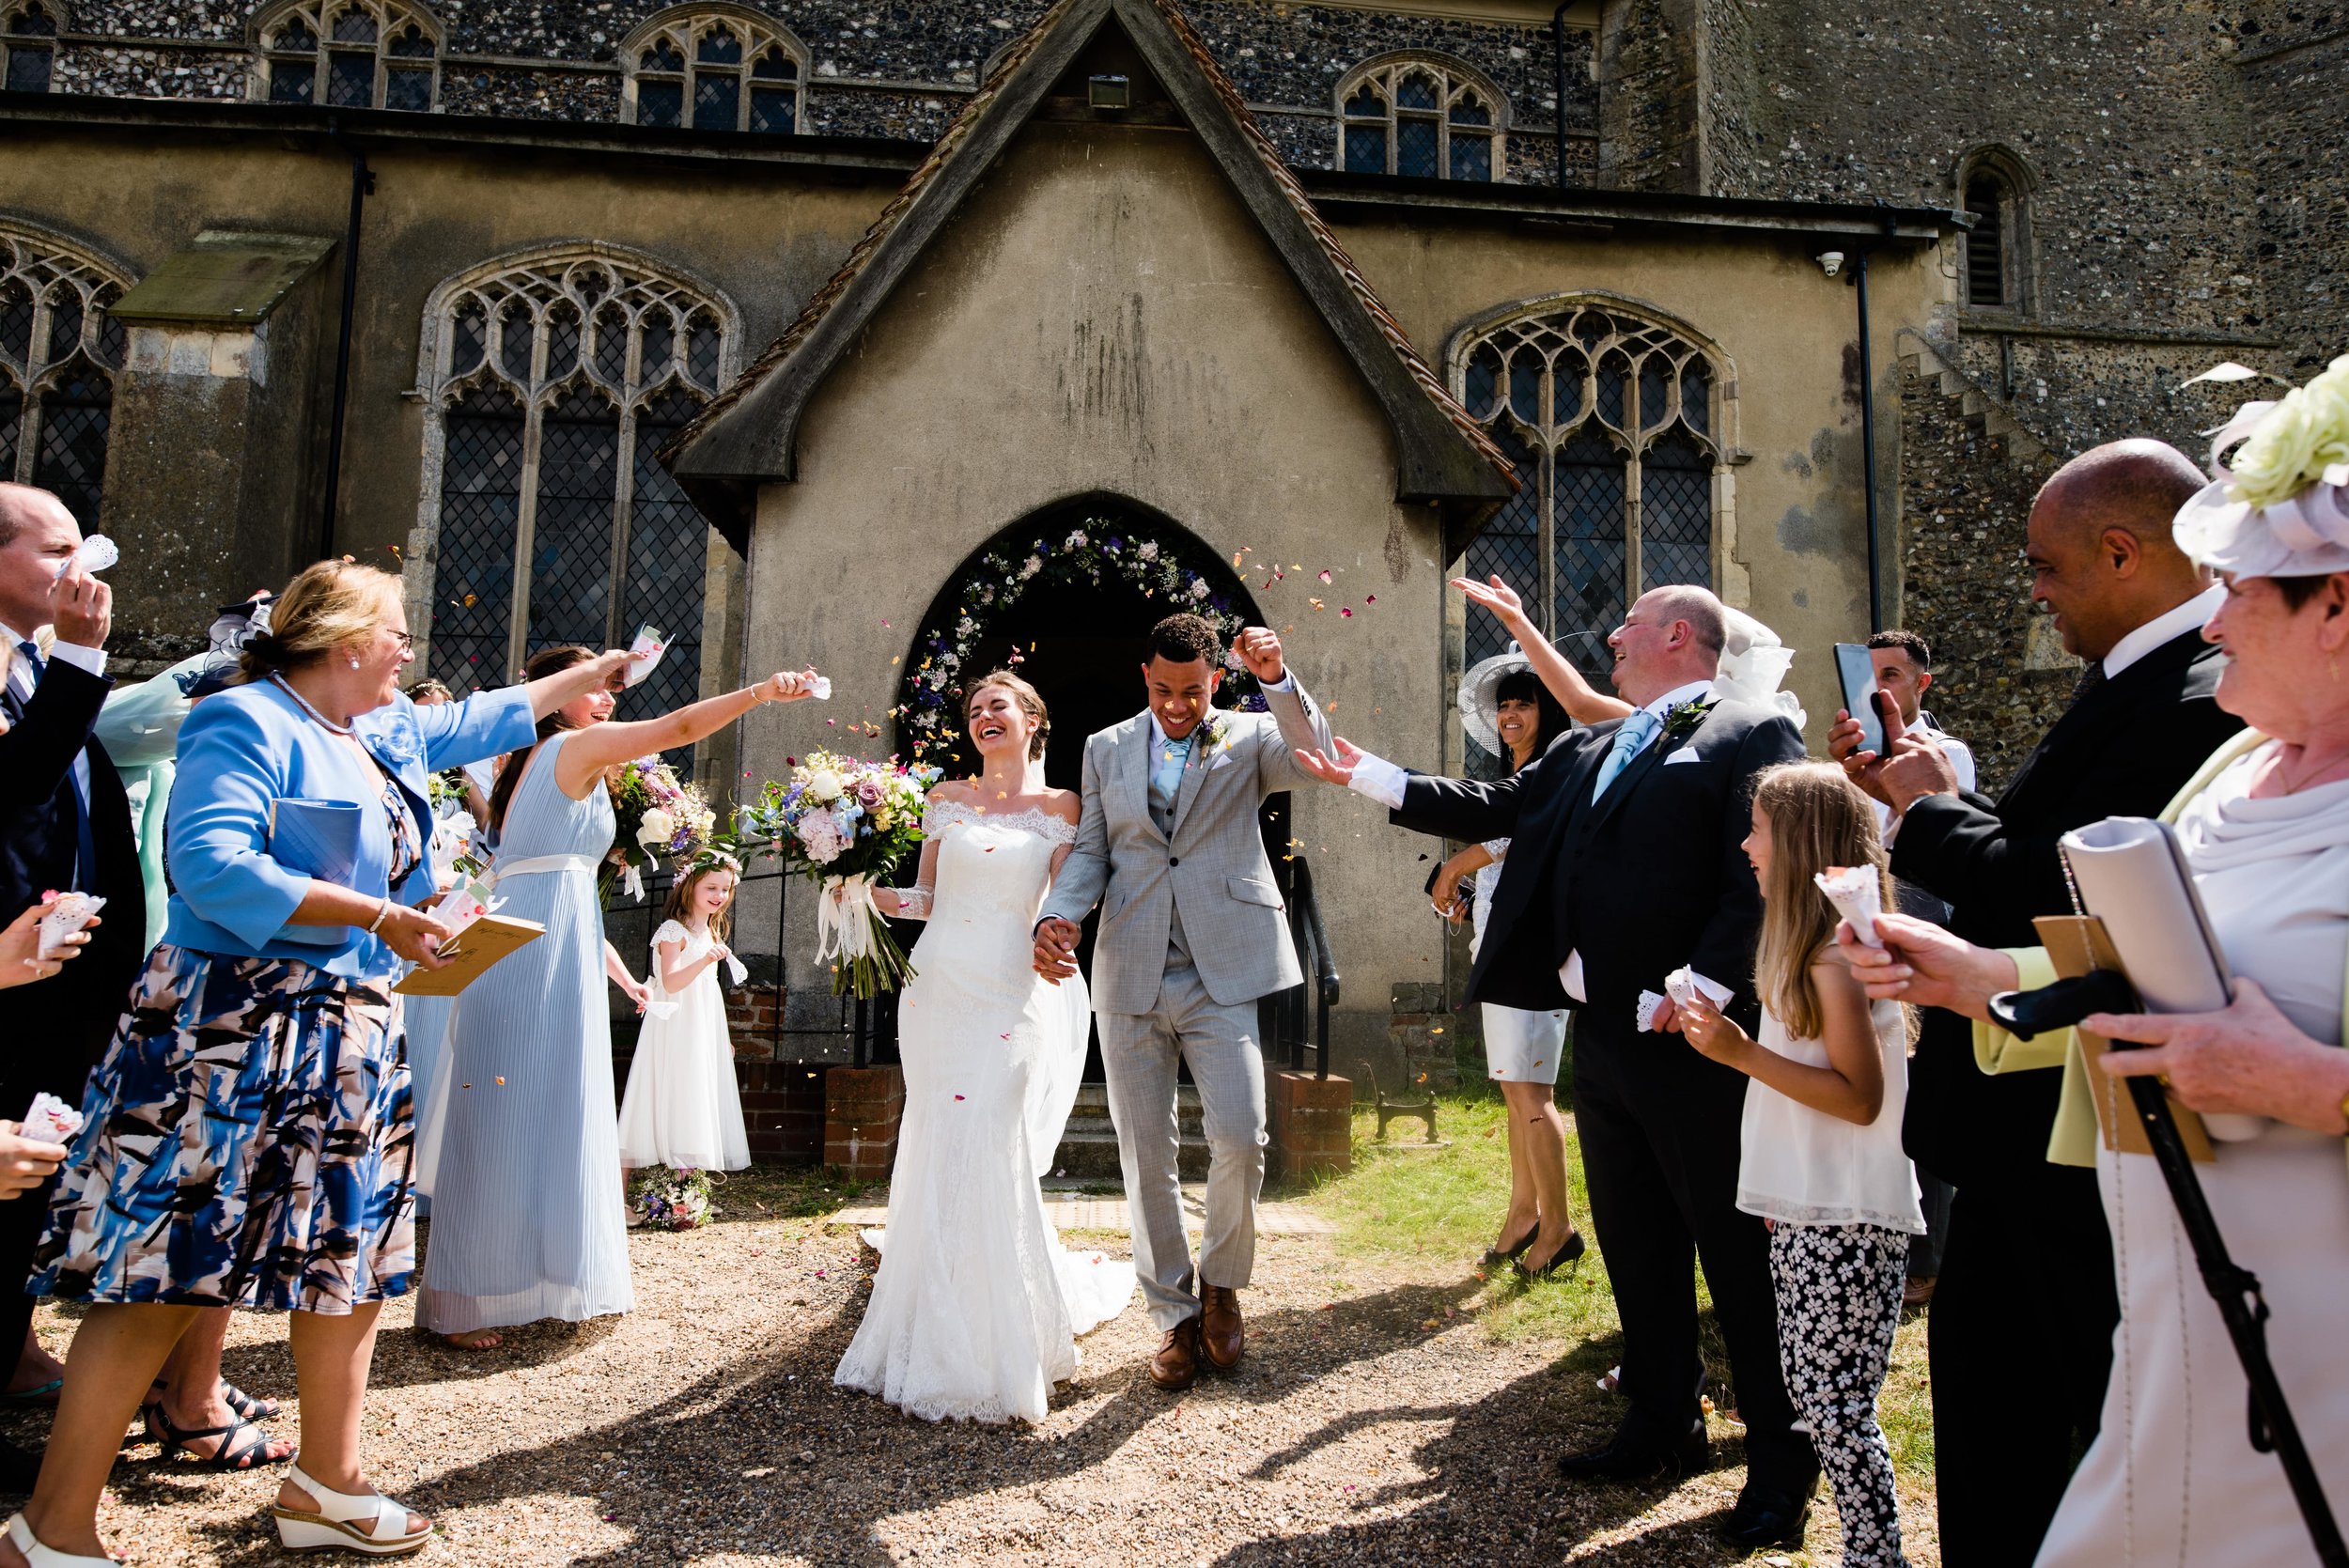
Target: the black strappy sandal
(243, 1446)
(247, 1406)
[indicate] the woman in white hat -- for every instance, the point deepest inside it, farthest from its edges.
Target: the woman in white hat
(1506, 709)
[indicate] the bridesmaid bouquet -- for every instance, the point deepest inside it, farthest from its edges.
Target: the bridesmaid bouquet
(847, 823)
(658, 815)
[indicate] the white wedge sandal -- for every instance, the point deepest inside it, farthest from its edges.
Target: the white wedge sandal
(335, 1524)
(20, 1536)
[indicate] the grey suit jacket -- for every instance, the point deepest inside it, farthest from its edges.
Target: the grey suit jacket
(1214, 870)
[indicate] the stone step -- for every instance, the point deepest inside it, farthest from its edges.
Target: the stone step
(1088, 1147)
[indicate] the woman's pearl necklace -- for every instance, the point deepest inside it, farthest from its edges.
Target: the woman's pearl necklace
(303, 703)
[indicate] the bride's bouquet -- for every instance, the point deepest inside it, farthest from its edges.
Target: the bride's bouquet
(671, 1200)
(847, 823)
(658, 816)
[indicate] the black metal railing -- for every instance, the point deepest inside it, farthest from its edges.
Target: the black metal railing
(1283, 1016)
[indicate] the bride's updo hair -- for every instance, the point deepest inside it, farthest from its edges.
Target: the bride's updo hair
(1030, 700)
(332, 605)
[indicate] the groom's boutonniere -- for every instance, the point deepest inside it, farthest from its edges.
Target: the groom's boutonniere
(1682, 721)
(1216, 732)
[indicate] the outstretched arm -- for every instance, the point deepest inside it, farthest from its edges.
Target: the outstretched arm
(590, 751)
(1444, 808)
(1582, 702)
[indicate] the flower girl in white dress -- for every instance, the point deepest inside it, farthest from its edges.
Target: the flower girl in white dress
(682, 1108)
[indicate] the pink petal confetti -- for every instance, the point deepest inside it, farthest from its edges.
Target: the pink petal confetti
(1347, 610)
(1325, 577)
(959, 1096)
(1370, 598)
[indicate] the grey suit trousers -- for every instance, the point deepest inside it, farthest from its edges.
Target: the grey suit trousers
(1141, 1052)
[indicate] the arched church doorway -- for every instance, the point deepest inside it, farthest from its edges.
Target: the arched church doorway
(1066, 596)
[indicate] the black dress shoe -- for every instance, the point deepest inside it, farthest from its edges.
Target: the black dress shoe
(1629, 1458)
(1765, 1516)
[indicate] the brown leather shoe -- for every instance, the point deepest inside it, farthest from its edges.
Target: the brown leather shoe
(1221, 1337)
(1177, 1364)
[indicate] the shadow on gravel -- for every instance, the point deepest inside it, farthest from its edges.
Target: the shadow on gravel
(820, 1469)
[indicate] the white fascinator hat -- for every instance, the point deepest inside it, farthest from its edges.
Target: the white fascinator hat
(1753, 662)
(2277, 503)
(1480, 710)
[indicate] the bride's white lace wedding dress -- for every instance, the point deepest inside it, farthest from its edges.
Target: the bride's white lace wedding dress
(976, 1307)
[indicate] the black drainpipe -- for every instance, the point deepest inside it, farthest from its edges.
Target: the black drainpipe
(1868, 442)
(1557, 64)
(361, 186)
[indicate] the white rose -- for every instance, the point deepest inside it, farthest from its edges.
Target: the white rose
(2268, 467)
(824, 785)
(657, 826)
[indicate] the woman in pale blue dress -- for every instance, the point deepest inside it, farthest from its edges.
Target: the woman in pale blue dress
(521, 1149)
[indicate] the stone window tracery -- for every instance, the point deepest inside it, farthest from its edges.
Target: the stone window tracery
(59, 353)
(714, 69)
(350, 54)
(551, 382)
(1423, 116)
(1613, 420)
(28, 41)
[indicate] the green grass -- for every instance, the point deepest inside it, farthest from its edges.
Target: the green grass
(1447, 1204)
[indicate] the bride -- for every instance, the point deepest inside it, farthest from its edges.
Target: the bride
(975, 1310)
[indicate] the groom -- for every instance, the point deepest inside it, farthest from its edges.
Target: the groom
(1626, 864)
(1192, 932)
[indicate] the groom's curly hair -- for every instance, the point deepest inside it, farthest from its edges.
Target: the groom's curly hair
(1179, 639)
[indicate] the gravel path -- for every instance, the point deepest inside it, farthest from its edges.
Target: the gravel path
(1373, 1422)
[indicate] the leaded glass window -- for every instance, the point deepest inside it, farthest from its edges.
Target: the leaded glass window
(1421, 116)
(715, 70)
(1609, 421)
(60, 351)
(350, 54)
(554, 383)
(28, 43)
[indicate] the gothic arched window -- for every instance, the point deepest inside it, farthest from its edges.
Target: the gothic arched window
(1994, 187)
(714, 69)
(551, 384)
(60, 351)
(28, 40)
(350, 54)
(1611, 422)
(1421, 115)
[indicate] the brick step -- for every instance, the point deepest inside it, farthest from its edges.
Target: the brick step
(1088, 1147)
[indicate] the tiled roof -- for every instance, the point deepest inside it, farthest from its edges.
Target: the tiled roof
(977, 114)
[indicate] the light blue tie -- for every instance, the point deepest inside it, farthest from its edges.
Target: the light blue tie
(1629, 740)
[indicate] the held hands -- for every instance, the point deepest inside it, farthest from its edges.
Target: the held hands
(1259, 649)
(25, 1162)
(82, 609)
(1446, 897)
(1056, 948)
(20, 962)
(1337, 770)
(1926, 965)
(786, 686)
(1715, 1035)
(2248, 1059)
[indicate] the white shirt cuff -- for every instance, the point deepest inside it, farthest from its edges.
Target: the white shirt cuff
(1379, 779)
(92, 660)
(1287, 683)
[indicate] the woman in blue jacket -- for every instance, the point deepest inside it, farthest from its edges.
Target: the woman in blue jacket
(248, 1135)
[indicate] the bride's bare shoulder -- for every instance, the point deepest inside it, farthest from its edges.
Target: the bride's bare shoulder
(1066, 804)
(954, 792)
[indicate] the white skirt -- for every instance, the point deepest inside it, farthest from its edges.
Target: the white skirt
(2173, 1477)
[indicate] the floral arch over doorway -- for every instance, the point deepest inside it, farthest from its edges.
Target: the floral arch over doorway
(1101, 542)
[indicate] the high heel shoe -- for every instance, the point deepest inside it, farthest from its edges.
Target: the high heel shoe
(1569, 1254)
(336, 1520)
(1495, 1256)
(38, 1555)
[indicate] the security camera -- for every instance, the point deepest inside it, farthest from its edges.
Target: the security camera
(1830, 262)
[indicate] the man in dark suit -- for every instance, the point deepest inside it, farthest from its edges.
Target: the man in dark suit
(65, 823)
(2021, 1330)
(1624, 865)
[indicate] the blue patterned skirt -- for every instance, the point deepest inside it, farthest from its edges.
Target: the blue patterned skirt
(247, 1142)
